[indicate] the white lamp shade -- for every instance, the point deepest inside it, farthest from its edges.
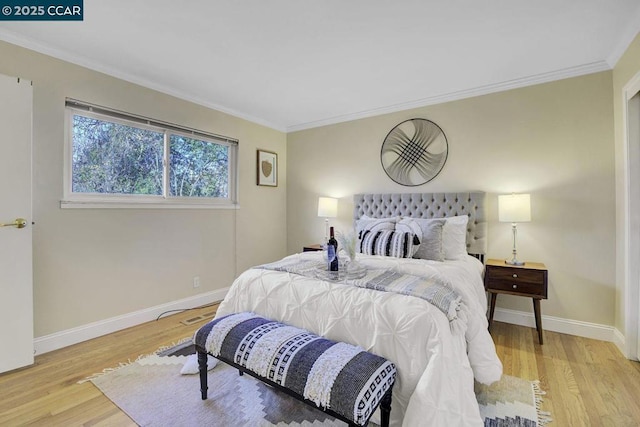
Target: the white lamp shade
(327, 207)
(514, 208)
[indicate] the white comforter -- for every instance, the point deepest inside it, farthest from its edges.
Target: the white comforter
(436, 368)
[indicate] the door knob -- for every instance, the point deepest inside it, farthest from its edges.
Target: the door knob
(18, 223)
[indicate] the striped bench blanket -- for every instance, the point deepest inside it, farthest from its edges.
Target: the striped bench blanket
(343, 380)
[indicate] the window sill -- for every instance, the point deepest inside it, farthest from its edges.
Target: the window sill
(93, 204)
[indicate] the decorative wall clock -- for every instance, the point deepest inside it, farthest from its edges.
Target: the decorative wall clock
(414, 152)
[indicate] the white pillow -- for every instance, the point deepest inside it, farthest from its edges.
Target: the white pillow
(454, 237)
(191, 365)
(375, 224)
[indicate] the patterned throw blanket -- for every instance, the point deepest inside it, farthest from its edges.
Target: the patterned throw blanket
(440, 294)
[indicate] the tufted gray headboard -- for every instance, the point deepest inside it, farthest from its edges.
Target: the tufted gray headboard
(431, 205)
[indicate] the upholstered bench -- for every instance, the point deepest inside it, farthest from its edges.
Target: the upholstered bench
(340, 379)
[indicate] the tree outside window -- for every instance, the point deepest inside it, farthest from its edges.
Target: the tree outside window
(112, 157)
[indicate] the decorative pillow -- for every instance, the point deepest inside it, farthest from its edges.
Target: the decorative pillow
(454, 237)
(408, 225)
(387, 243)
(375, 224)
(431, 242)
(366, 223)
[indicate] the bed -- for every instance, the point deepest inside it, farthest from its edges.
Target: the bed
(436, 363)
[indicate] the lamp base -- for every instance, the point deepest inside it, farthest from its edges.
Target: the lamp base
(514, 262)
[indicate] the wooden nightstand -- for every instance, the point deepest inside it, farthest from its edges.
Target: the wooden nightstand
(528, 280)
(312, 248)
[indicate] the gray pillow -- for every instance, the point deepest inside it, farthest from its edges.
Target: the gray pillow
(431, 242)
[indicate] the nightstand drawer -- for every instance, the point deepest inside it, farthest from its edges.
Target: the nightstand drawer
(516, 275)
(517, 286)
(528, 280)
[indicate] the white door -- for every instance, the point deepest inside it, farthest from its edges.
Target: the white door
(16, 277)
(631, 128)
(634, 138)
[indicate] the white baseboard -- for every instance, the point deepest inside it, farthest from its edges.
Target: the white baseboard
(620, 342)
(92, 330)
(558, 324)
(86, 332)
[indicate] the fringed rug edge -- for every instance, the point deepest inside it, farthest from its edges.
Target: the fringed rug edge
(121, 365)
(544, 417)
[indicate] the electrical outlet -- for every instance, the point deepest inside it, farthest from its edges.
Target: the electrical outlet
(196, 282)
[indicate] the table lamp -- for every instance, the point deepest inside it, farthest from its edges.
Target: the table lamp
(514, 208)
(327, 208)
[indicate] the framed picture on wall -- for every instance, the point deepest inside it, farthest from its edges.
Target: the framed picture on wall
(267, 168)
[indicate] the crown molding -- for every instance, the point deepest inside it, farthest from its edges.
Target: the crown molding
(565, 73)
(28, 43)
(584, 69)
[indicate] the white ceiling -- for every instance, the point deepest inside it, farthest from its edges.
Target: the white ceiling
(295, 64)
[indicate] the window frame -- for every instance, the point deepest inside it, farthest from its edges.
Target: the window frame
(165, 200)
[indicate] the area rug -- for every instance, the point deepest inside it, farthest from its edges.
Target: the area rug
(152, 392)
(511, 402)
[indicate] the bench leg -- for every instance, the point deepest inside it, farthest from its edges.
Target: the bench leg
(202, 368)
(385, 409)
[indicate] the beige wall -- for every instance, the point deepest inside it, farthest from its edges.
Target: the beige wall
(626, 68)
(554, 140)
(93, 264)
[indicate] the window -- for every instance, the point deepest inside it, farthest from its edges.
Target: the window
(198, 168)
(117, 158)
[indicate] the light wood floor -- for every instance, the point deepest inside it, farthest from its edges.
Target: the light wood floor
(47, 394)
(588, 382)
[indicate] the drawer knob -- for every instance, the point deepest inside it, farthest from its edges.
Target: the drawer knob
(515, 276)
(515, 286)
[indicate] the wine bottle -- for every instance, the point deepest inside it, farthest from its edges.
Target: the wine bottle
(333, 265)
